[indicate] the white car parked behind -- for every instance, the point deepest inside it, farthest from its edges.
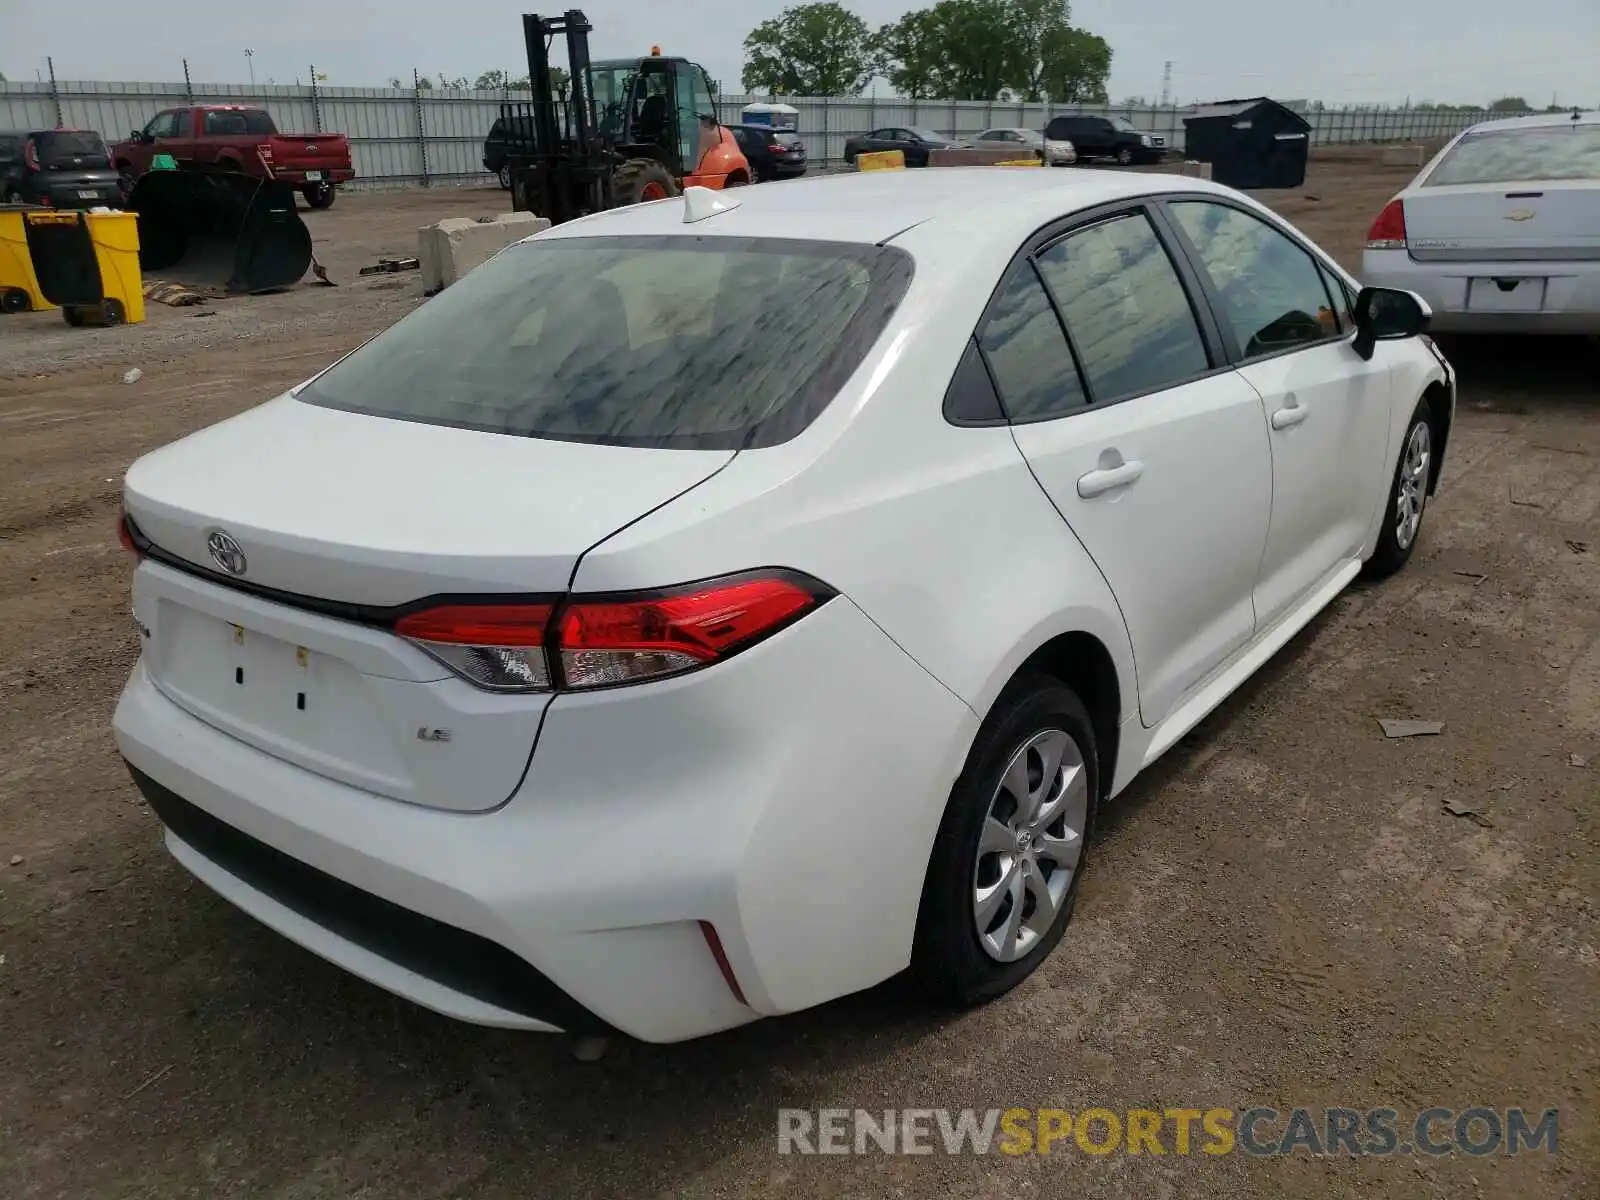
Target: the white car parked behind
(1500, 233)
(1057, 153)
(713, 607)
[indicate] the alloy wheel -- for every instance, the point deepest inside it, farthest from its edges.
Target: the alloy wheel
(1411, 494)
(1030, 845)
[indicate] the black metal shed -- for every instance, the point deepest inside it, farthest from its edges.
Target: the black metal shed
(1255, 143)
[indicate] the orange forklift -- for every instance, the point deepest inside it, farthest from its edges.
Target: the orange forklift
(622, 131)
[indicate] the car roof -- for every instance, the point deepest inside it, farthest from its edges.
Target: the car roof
(1537, 121)
(874, 206)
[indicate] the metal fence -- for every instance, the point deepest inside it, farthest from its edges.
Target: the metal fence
(428, 135)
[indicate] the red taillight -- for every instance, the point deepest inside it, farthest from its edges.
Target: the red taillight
(125, 535)
(604, 641)
(30, 154)
(496, 646)
(1388, 232)
(478, 624)
(714, 944)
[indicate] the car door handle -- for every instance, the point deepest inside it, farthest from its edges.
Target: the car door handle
(1291, 414)
(1097, 483)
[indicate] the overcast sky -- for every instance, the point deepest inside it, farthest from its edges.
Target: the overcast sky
(1461, 51)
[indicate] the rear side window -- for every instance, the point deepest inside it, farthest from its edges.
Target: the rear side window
(10, 148)
(679, 341)
(70, 148)
(1517, 155)
(1125, 307)
(1027, 351)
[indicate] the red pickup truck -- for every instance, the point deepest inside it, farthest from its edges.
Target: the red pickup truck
(232, 137)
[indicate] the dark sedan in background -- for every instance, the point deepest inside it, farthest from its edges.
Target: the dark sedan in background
(772, 153)
(914, 143)
(61, 168)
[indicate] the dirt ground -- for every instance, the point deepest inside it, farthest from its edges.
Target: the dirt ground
(1280, 913)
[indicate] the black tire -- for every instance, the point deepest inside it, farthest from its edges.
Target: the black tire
(504, 175)
(737, 179)
(1125, 156)
(320, 195)
(636, 176)
(1393, 549)
(73, 316)
(14, 300)
(948, 962)
(112, 312)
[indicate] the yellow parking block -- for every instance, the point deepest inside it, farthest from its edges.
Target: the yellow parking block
(881, 160)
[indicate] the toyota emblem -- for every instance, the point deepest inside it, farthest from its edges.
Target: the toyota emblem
(226, 552)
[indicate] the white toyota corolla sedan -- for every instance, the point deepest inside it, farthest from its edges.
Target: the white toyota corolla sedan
(713, 607)
(1500, 233)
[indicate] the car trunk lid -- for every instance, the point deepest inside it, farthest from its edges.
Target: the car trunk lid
(1557, 220)
(337, 518)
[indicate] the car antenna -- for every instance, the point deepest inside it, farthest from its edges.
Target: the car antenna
(701, 202)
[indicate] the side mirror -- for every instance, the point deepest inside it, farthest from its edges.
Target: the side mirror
(1388, 315)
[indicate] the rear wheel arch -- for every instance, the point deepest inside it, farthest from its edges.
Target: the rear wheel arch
(1082, 662)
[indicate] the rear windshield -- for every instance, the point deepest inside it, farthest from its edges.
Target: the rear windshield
(691, 342)
(1518, 155)
(786, 139)
(232, 122)
(70, 148)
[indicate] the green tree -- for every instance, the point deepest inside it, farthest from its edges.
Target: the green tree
(991, 49)
(974, 39)
(809, 50)
(1076, 67)
(908, 54)
(1510, 104)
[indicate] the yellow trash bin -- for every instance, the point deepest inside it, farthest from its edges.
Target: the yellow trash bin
(88, 264)
(19, 286)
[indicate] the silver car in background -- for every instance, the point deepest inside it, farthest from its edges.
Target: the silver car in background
(1500, 233)
(1056, 152)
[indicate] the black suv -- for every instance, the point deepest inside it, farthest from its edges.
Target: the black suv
(505, 136)
(1108, 137)
(62, 168)
(772, 153)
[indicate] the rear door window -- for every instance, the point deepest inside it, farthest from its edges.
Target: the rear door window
(1125, 306)
(691, 342)
(1028, 352)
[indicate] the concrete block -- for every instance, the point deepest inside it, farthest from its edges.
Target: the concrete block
(881, 160)
(1195, 170)
(972, 156)
(448, 249)
(1403, 156)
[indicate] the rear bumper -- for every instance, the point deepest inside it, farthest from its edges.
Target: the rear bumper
(788, 797)
(297, 175)
(1571, 295)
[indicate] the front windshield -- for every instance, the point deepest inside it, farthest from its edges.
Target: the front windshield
(1124, 124)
